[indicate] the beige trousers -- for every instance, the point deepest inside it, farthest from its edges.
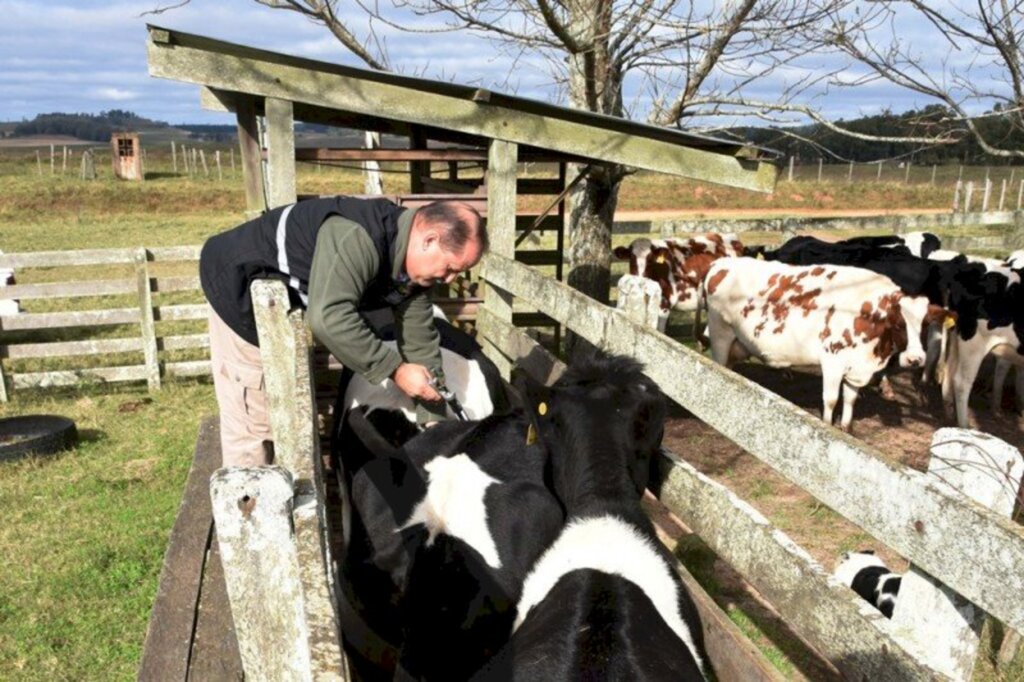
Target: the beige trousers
(245, 437)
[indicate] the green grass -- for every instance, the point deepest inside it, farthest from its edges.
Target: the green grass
(84, 532)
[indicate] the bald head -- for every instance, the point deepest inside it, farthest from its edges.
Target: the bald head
(447, 237)
(458, 223)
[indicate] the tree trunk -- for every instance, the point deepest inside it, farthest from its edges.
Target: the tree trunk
(595, 84)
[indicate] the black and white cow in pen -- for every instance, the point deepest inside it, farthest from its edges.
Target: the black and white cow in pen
(866, 575)
(604, 602)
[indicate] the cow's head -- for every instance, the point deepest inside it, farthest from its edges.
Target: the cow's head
(651, 260)
(916, 313)
(601, 424)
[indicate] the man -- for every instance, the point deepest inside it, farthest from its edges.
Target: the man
(339, 256)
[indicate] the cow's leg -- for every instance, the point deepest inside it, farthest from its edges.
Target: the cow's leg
(952, 360)
(1019, 385)
(933, 352)
(968, 363)
(850, 393)
(998, 381)
(831, 383)
(722, 338)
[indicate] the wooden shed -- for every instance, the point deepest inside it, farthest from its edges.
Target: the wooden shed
(126, 156)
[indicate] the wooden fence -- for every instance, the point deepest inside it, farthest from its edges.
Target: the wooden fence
(144, 312)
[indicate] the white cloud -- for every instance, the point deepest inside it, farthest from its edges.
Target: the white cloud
(116, 94)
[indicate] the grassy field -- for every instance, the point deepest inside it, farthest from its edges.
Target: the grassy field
(84, 532)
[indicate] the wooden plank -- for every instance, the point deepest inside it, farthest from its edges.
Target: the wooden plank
(48, 259)
(75, 377)
(83, 318)
(98, 287)
(195, 368)
(188, 311)
(147, 323)
(972, 550)
(214, 653)
(501, 226)
(65, 348)
(198, 60)
(175, 253)
(186, 341)
(399, 155)
(280, 153)
(165, 654)
(732, 655)
(251, 158)
(165, 285)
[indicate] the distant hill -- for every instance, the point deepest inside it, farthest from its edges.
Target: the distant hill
(95, 127)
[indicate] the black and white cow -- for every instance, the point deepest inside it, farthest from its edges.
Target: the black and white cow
(604, 602)
(444, 529)
(8, 306)
(866, 575)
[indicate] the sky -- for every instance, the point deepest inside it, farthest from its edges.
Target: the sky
(90, 55)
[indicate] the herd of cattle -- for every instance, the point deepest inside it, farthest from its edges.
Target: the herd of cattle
(849, 308)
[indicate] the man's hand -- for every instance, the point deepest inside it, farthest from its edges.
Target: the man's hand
(415, 381)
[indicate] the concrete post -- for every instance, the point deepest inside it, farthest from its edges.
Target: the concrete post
(933, 621)
(640, 298)
(819, 171)
(968, 196)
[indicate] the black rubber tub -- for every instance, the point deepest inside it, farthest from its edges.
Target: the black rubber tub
(37, 434)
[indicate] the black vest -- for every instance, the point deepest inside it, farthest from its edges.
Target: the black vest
(231, 260)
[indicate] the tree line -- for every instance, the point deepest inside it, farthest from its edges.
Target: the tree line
(93, 127)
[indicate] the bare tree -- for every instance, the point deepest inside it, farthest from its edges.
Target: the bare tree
(980, 79)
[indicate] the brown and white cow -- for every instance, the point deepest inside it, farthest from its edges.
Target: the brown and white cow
(678, 265)
(848, 321)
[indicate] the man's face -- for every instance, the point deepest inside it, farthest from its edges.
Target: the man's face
(428, 263)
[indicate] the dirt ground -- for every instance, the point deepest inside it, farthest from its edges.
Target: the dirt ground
(900, 429)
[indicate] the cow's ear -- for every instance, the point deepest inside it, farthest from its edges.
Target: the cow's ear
(530, 390)
(622, 253)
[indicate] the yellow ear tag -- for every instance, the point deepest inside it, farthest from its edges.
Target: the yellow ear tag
(531, 435)
(661, 258)
(949, 323)
(542, 409)
(760, 256)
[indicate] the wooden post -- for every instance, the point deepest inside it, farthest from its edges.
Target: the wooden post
(3, 384)
(373, 179)
(88, 165)
(933, 174)
(39, 163)
(52, 172)
(252, 509)
(142, 162)
(968, 195)
(174, 157)
(1020, 195)
(285, 348)
(252, 156)
(956, 195)
(1013, 171)
(195, 161)
(933, 621)
(819, 171)
(147, 321)
(1002, 194)
(878, 177)
(906, 177)
(64, 162)
(202, 159)
(640, 298)
(987, 169)
(220, 175)
(960, 172)
(501, 226)
(791, 160)
(417, 169)
(988, 193)
(232, 150)
(280, 153)
(849, 176)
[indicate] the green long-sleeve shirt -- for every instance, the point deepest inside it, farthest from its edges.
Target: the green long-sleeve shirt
(345, 262)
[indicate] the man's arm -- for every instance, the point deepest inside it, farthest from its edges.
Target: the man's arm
(344, 263)
(420, 343)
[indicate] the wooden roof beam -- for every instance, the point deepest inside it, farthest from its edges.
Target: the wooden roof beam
(202, 61)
